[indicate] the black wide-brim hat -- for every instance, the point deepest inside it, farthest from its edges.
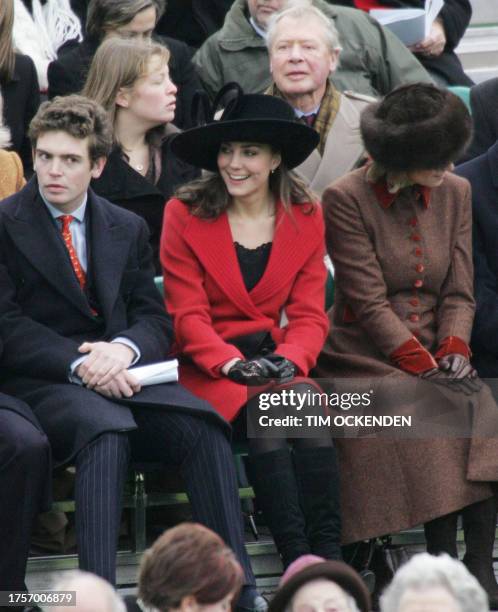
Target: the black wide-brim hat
(247, 118)
(336, 571)
(416, 127)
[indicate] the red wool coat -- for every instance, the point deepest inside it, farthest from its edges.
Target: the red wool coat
(206, 296)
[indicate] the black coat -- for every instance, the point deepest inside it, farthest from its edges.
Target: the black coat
(484, 105)
(455, 15)
(482, 173)
(122, 185)
(21, 97)
(193, 20)
(44, 317)
(67, 74)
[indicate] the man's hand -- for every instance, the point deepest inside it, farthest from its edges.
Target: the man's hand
(104, 362)
(434, 44)
(123, 384)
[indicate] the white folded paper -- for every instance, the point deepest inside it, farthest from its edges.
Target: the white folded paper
(156, 373)
(411, 26)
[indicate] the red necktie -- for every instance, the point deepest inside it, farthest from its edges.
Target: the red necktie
(68, 241)
(310, 119)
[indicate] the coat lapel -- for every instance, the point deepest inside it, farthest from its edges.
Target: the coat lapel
(109, 243)
(293, 242)
(213, 244)
(33, 232)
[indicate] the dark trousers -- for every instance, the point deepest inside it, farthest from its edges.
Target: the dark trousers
(24, 469)
(196, 447)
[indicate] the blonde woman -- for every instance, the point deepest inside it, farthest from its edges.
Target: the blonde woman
(131, 80)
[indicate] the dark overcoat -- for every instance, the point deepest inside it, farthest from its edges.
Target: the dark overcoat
(124, 186)
(483, 103)
(403, 271)
(482, 172)
(67, 74)
(21, 99)
(44, 317)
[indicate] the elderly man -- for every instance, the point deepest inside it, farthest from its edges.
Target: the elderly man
(304, 51)
(373, 60)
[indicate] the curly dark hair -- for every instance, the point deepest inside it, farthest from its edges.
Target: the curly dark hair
(80, 117)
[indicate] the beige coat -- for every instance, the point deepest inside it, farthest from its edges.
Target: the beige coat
(344, 149)
(390, 484)
(11, 173)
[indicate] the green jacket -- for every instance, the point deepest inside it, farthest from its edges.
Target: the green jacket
(372, 61)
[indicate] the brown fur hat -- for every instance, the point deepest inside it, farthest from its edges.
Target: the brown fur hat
(416, 127)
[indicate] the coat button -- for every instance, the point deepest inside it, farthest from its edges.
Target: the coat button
(416, 237)
(414, 318)
(414, 302)
(418, 252)
(420, 267)
(413, 222)
(418, 283)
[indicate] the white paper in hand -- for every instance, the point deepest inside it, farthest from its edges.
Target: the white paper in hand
(156, 373)
(411, 26)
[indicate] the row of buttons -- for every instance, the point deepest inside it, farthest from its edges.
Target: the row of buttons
(417, 284)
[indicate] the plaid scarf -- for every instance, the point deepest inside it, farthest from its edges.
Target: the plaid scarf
(329, 107)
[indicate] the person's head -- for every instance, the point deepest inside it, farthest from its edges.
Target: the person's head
(71, 138)
(93, 594)
(131, 78)
(250, 150)
(433, 584)
(7, 56)
(312, 584)
(189, 568)
(304, 50)
(262, 10)
(132, 19)
(418, 130)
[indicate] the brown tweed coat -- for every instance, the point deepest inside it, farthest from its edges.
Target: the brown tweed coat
(402, 270)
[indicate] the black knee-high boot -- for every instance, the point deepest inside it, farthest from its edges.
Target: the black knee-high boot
(440, 535)
(272, 476)
(318, 477)
(479, 525)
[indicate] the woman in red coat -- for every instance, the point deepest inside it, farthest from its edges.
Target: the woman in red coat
(239, 248)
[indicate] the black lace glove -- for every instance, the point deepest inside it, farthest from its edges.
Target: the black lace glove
(262, 371)
(468, 385)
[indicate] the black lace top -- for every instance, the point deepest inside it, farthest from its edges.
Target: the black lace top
(253, 262)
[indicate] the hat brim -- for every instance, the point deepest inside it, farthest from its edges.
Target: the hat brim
(335, 571)
(199, 146)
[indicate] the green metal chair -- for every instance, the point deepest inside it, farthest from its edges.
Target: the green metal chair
(463, 93)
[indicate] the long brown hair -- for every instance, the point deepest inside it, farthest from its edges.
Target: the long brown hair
(7, 55)
(118, 64)
(208, 196)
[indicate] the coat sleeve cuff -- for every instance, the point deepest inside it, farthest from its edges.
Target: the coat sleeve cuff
(412, 357)
(452, 345)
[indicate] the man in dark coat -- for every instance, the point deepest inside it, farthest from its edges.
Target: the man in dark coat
(24, 483)
(484, 105)
(437, 52)
(131, 19)
(78, 307)
(482, 172)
